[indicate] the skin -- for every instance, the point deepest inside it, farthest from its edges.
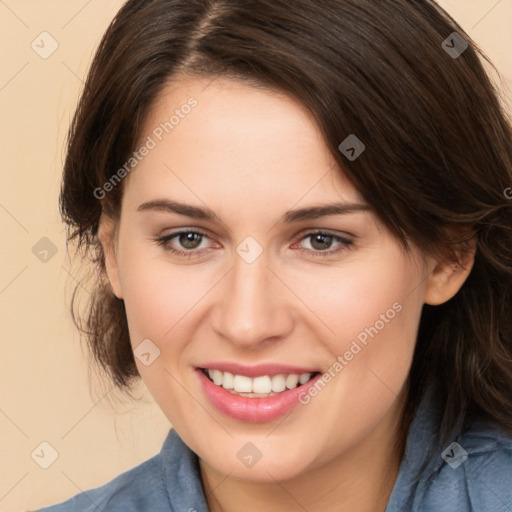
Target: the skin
(250, 155)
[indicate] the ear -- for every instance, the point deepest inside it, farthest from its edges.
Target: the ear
(107, 233)
(446, 278)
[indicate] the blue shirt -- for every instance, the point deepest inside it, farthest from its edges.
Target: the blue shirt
(482, 482)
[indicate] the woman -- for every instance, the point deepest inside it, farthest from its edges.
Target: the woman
(300, 220)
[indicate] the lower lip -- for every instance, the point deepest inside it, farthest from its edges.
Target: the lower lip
(253, 410)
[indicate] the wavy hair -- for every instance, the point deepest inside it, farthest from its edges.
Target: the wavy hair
(436, 168)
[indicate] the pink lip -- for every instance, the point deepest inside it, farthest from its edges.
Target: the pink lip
(253, 410)
(257, 370)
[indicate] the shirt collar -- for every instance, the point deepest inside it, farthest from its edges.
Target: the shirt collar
(182, 477)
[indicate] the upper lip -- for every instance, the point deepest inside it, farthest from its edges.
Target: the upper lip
(256, 370)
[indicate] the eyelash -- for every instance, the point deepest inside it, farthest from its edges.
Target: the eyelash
(344, 243)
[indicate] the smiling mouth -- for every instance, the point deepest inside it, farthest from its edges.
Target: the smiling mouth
(258, 387)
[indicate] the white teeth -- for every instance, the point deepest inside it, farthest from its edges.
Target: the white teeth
(242, 384)
(263, 385)
(278, 383)
(292, 380)
(217, 377)
(304, 378)
(228, 381)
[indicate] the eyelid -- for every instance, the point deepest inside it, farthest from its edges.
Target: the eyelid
(325, 231)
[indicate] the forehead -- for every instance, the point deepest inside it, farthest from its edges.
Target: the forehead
(236, 142)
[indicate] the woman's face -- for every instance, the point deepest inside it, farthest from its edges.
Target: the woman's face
(257, 295)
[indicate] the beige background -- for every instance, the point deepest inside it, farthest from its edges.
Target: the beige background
(44, 385)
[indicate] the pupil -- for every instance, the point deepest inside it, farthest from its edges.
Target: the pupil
(322, 238)
(187, 240)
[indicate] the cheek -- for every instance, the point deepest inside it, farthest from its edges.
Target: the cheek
(349, 300)
(161, 299)
(161, 302)
(372, 315)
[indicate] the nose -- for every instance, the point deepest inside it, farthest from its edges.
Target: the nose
(254, 306)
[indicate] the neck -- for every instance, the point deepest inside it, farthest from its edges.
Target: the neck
(361, 479)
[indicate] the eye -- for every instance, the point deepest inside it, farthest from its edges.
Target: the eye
(321, 240)
(190, 240)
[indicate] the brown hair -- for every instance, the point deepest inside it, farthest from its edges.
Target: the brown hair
(438, 156)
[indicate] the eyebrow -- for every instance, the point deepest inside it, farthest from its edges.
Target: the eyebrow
(301, 214)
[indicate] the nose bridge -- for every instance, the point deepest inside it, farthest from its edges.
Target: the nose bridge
(250, 310)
